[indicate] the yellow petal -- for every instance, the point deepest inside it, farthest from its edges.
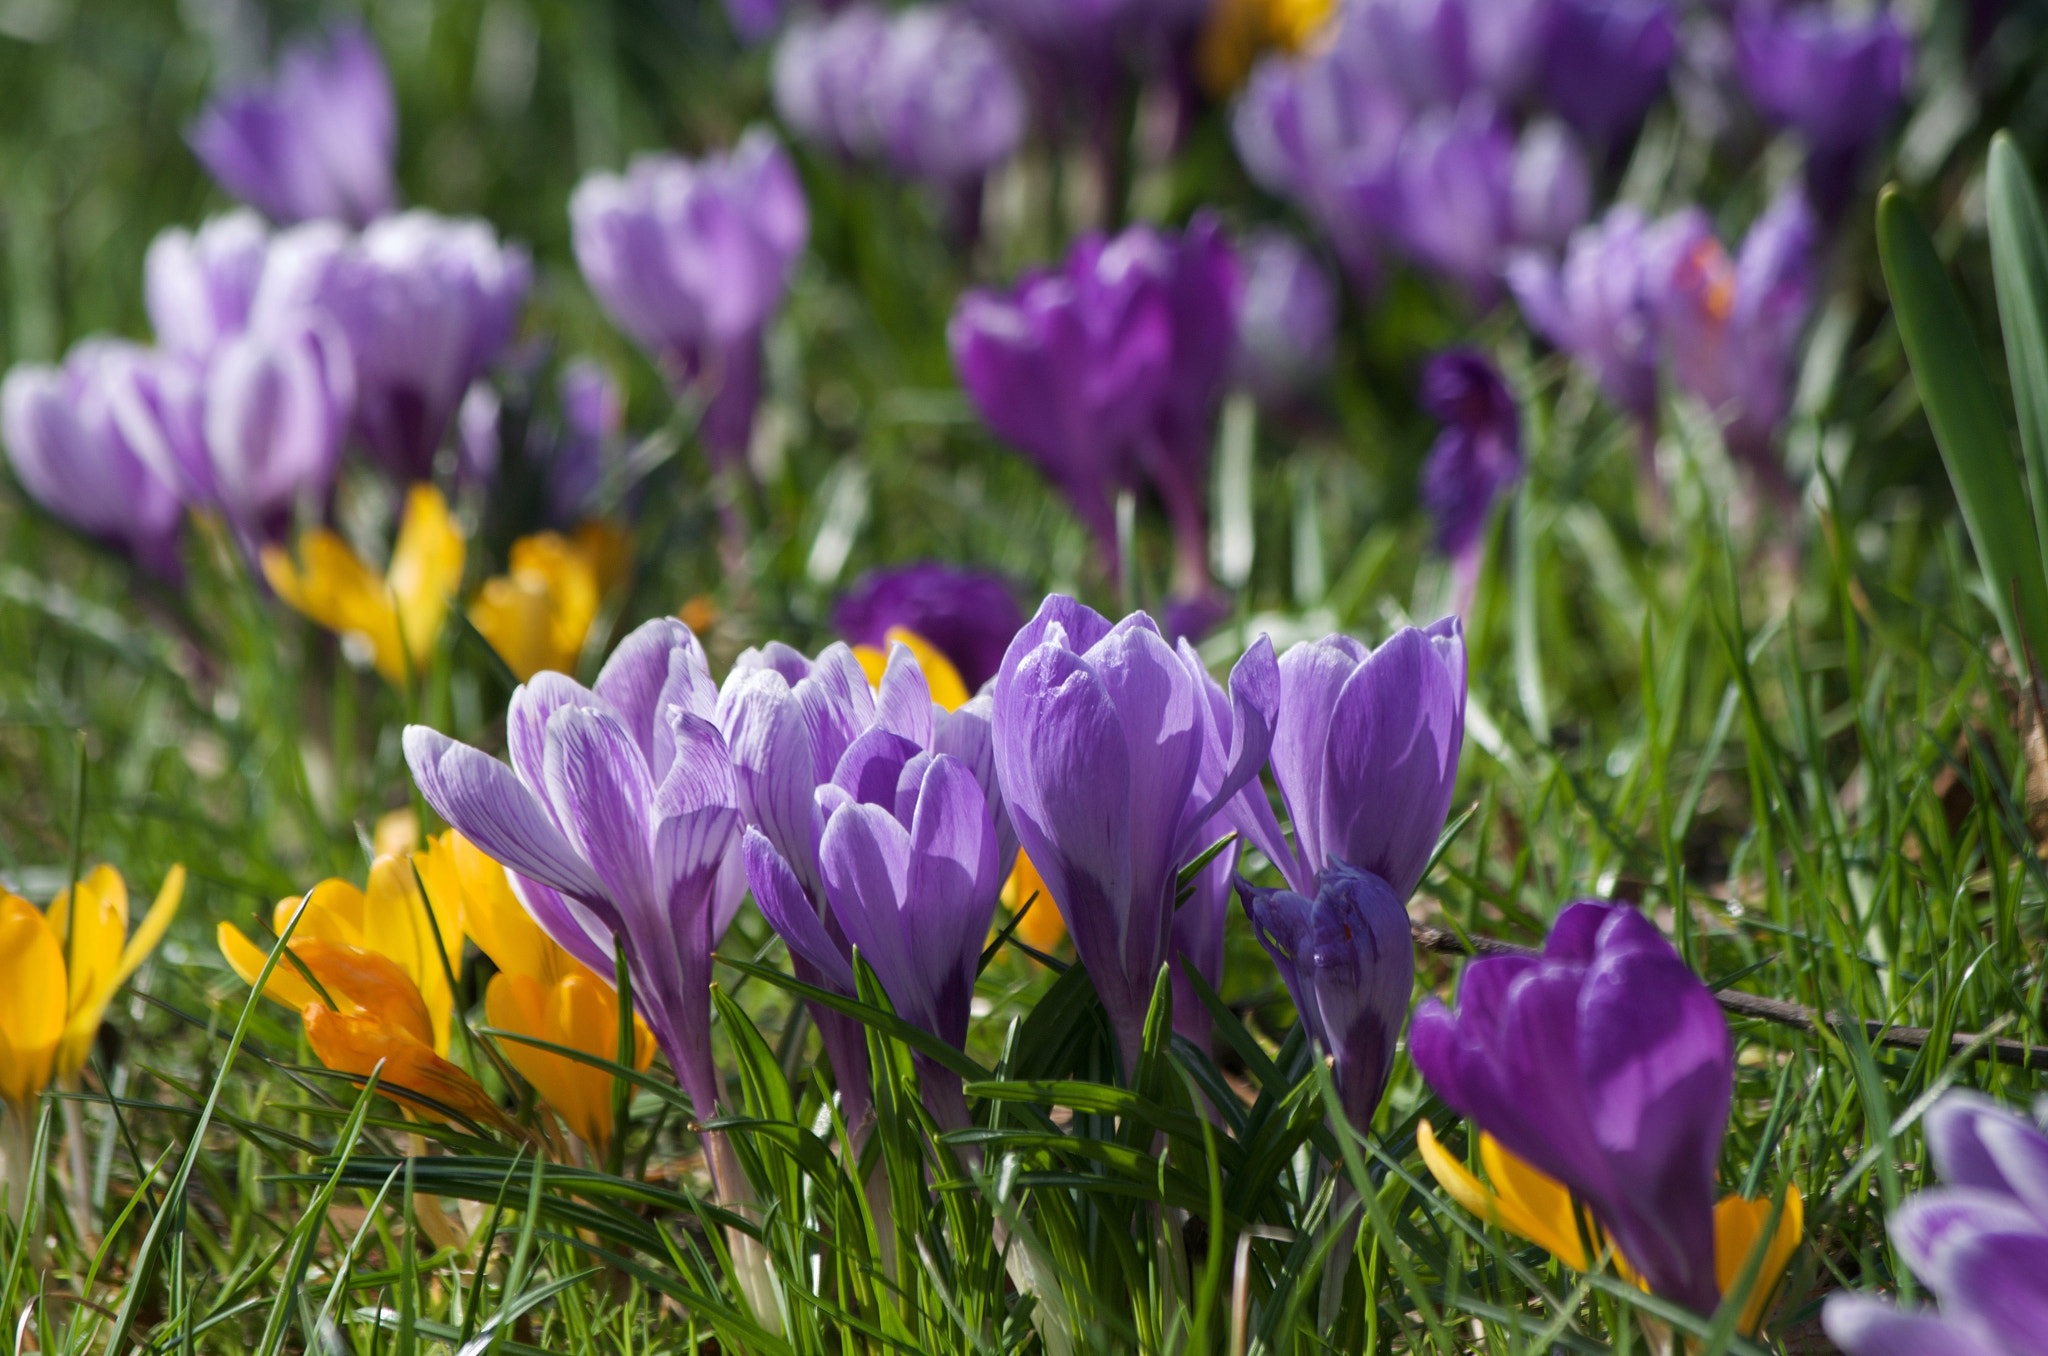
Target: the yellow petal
(570, 580)
(246, 959)
(156, 922)
(358, 1042)
(363, 981)
(512, 614)
(939, 674)
(1539, 1205)
(1042, 928)
(396, 832)
(605, 545)
(579, 1011)
(872, 662)
(89, 1001)
(399, 924)
(426, 568)
(499, 923)
(334, 588)
(98, 927)
(334, 913)
(33, 1009)
(1738, 1227)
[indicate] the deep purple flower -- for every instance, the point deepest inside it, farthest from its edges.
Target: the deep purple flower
(1605, 62)
(1287, 316)
(1598, 306)
(1365, 753)
(198, 287)
(427, 303)
(1730, 327)
(618, 823)
(1606, 1064)
(969, 615)
(1979, 1242)
(316, 142)
(1348, 961)
(1834, 79)
(1103, 742)
(71, 456)
(593, 422)
(1202, 287)
(691, 259)
(1478, 456)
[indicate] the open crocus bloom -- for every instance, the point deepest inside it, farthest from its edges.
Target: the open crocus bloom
(538, 613)
(398, 613)
(1528, 1204)
(54, 1002)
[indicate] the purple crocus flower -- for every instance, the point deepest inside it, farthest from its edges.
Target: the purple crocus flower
(1477, 457)
(1605, 62)
(198, 286)
(1606, 1064)
(691, 259)
(823, 69)
(969, 615)
(1979, 1242)
(944, 102)
(1111, 766)
(1730, 327)
(1348, 961)
(1286, 318)
(70, 454)
(1834, 79)
(316, 142)
(1456, 204)
(1598, 306)
(618, 822)
(427, 303)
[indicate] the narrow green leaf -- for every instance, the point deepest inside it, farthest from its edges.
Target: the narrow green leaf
(2019, 267)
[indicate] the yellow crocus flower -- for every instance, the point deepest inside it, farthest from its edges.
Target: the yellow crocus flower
(1043, 928)
(543, 992)
(939, 674)
(1533, 1205)
(400, 612)
(53, 1002)
(1237, 31)
(538, 614)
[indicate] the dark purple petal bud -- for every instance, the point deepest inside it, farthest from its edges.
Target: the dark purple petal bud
(315, 142)
(593, 423)
(1605, 62)
(1286, 318)
(1348, 961)
(1835, 79)
(969, 615)
(1598, 306)
(1198, 932)
(1478, 456)
(198, 287)
(67, 448)
(1605, 1063)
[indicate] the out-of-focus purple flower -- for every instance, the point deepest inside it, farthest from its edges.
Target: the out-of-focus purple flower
(1286, 318)
(1479, 453)
(1605, 62)
(1552, 188)
(824, 67)
(1980, 1242)
(1348, 961)
(1606, 1064)
(1597, 306)
(1457, 182)
(1730, 327)
(753, 20)
(316, 142)
(691, 259)
(619, 825)
(1111, 766)
(945, 103)
(593, 422)
(1365, 753)
(427, 303)
(970, 615)
(1203, 285)
(1835, 79)
(69, 453)
(198, 286)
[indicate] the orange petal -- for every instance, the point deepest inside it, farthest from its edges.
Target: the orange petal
(358, 1042)
(366, 982)
(246, 959)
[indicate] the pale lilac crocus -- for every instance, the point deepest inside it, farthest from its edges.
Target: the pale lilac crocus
(69, 453)
(1598, 306)
(198, 285)
(1604, 1063)
(1103, 748)
(1287, 317)
(315, 142)
(822, 75)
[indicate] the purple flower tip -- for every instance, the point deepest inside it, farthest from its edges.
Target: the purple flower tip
(969, 614)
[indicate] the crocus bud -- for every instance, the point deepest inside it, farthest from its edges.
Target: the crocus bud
(1834, 79)
(1348, 961)
(1598, 306)
(1605, 62)
(945, 103)
(276, 408)
(971, 616)
(198, 287)
(691, 259)
(1479, 453)
(1606, 1065)
(822, 73)
(316, 141)
(69, 453)
(1287, 316)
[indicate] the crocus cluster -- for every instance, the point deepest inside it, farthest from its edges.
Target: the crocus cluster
(1978, 1241)
(691, 259)
(1107, 369)
(1600, 1075)
(925, 90)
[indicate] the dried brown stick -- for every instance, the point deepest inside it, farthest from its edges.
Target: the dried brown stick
(1443, 941)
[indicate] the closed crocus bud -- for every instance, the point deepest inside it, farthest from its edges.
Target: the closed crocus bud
(1598, 306)
(67, 449)
(198, 286)
(276, 404)
(691, 259)
(1835, 79)
(823, 69)
(944, 102)
(969, 615)
(1605, 62)
(1286, 319)
(1348, 961)
(1478, 456)
(1103, 747)
(317, 141)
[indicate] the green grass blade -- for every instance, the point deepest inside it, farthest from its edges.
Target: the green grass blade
(2019, 267)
